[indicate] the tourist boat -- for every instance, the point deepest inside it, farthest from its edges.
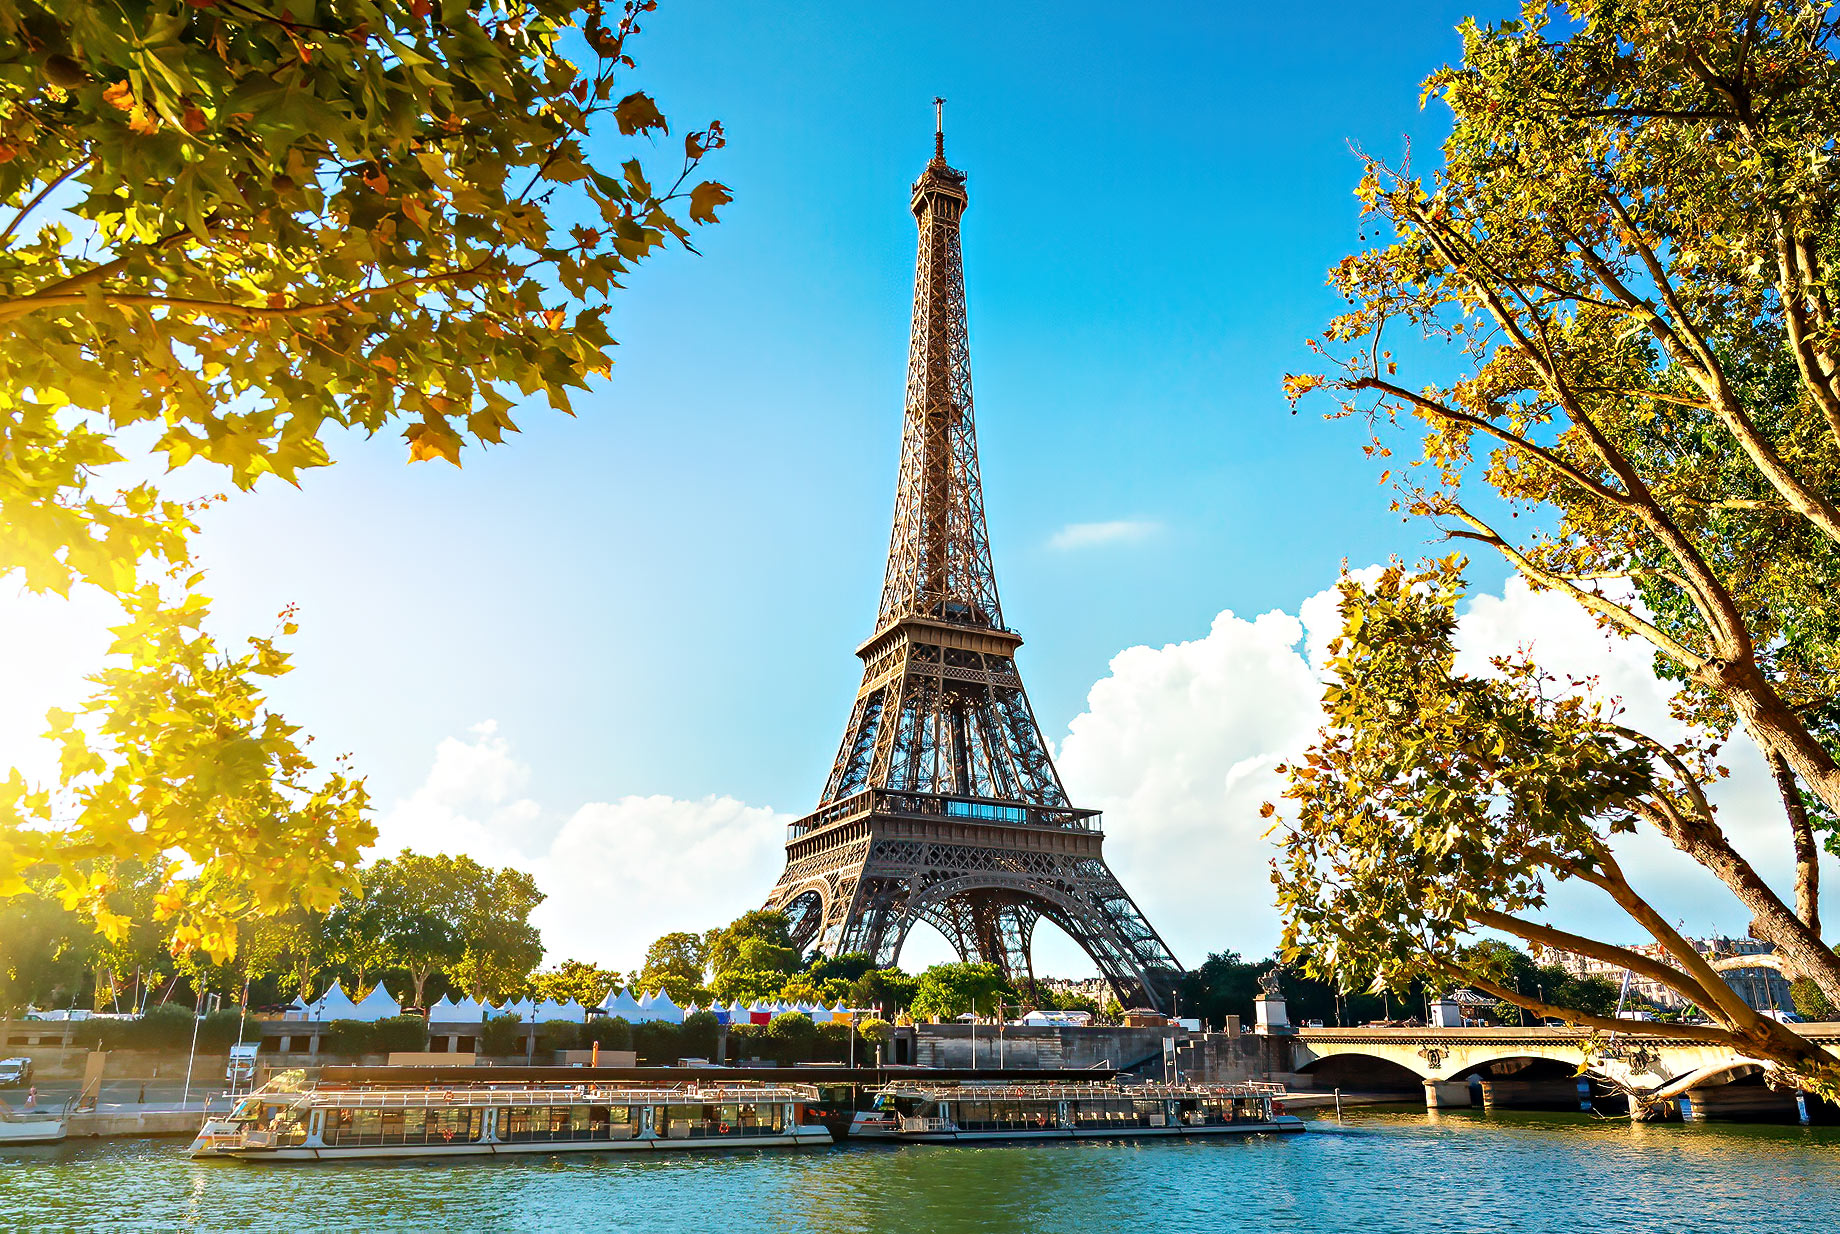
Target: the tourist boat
(19, 1127)
(328, 1123)
(941, 1113)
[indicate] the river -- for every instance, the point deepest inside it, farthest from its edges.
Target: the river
(1376, 1173)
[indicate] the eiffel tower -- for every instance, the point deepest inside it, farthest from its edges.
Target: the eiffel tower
(943, 804)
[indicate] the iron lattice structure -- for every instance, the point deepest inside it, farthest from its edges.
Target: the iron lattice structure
(943, 804)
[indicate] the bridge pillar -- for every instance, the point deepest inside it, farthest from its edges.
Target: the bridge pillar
(1718, 1102)
(1536, 1094)
(1447, 1095)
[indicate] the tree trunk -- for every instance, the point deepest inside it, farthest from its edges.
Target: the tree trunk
(1777, 730)
(1772, 920)
(1807, 854)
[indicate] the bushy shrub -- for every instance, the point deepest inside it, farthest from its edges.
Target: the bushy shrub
(609, 1034)
(748, 1041)
(220, 1029)
(698, 1038)
(406, 1033)
(875, 1032)
(349, 1037)
(166, 1027)
(501, 1035)
(558, 1035)
(832, 1044)
(790, 1036)
(658, 1042)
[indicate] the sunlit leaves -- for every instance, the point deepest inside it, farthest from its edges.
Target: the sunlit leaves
(227, 236)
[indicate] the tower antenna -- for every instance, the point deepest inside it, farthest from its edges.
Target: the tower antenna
(939, 128)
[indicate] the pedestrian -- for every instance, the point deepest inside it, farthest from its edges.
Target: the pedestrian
(142, 1099)
(32, 1098)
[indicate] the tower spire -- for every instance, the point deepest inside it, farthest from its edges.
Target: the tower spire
(939, 554)
(939, 128)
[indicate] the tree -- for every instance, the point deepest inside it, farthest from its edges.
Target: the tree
(752, 957)
(292, 946)
(498, 945)
(352, 933)
(233, 236)
(676, 962)
(758, 926)
(586, 983)
(44, 950)
(1626, 254)
(951, 990)
(883, 988)
(416, 897)
(1435, 804)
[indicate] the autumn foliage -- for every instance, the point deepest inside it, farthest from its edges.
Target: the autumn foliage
(236, 230)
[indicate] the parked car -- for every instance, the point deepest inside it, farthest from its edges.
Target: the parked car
(242, 1068)
(1786, 1017)
(15, 1072)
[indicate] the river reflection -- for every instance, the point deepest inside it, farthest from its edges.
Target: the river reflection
(1378, 1173)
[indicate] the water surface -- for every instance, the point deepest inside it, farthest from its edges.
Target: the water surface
(1377, 1173)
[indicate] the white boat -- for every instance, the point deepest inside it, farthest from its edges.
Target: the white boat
(954, 1113)
(30, 1126)
(478, 1119)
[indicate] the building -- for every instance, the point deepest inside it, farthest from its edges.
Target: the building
(1763, 988)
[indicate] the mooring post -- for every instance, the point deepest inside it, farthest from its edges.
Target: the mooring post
(1338, 1105)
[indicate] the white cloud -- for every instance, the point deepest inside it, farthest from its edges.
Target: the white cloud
(617, 874)
(1178, 745)
(1093, 535)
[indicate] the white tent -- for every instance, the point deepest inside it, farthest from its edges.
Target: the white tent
(550, 1009)
(524, 1010)
(646, 1001)
(574, 1011)
(623, 1007)
(1064, 1019)
(296, 1010)
(664, 1009)
(442, 1011)
(334, 1004)
(466, 1011)
(737, 1012)
(819, 1013)
(377, 1005)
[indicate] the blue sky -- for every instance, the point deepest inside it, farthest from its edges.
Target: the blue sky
(628, 636)
(662, 595)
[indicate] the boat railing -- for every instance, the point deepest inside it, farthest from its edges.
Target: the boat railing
(1077, 1092)
(926, 1124)
(425, 1098)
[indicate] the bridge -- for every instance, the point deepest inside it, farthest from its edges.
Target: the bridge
(1538, 1063)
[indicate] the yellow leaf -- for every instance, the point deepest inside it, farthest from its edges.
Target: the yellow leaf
(431, 439)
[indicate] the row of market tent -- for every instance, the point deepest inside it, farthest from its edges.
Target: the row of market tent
(336, 1004)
